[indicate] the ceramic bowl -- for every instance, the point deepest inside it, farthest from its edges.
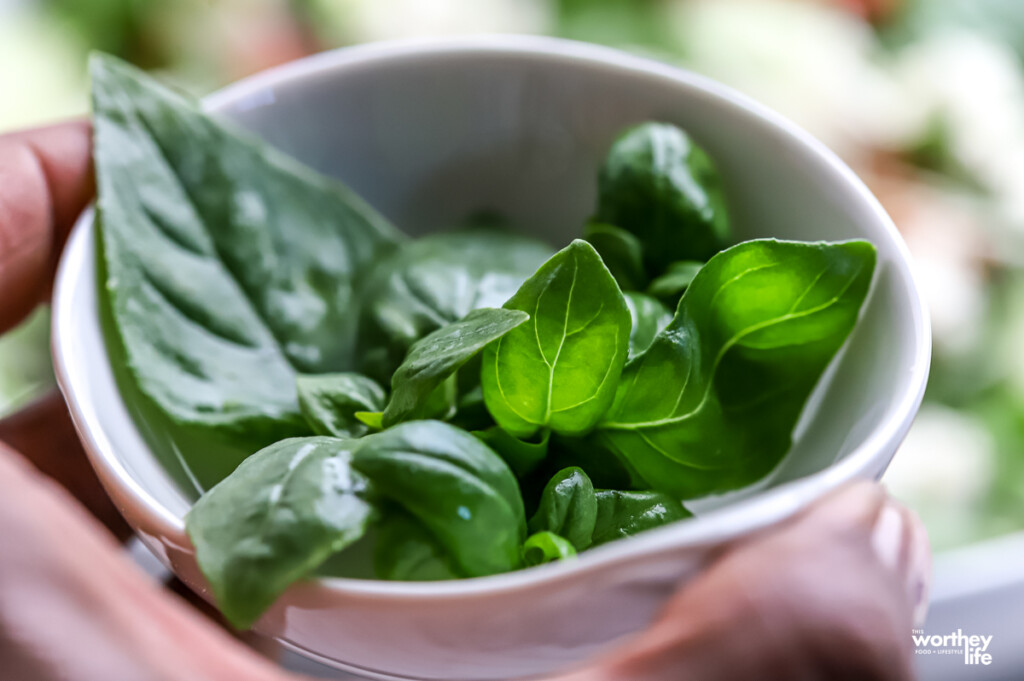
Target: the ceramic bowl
(428, 132)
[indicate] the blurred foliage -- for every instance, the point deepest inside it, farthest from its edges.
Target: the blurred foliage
(1000, 20)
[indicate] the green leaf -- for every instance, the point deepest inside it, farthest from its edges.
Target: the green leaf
(274, 520)
(669, 287)
(623, 514)
(455, 486)
(559, 369)
(226, 266)
(330, 402)
(621, 252)
(660, 186)
(567, 508)
(435, 357)
(372, 419)
(648, 317)
(521, 456)
(438, 280)
(406, 551)
(712, 404)
(546, 547)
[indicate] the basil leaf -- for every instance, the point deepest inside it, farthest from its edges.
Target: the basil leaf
(226, 266)
(559, 369)
(456, 487)
(406, 551)
(623, 514)
(438, 280)
(520, 455)
(282, 512)
(670, 285)
(621, 252)
(649, 317)
(567, 508)
(712, 404)
(330, 402)
(546, 547)
(659, 185)
(438, 355)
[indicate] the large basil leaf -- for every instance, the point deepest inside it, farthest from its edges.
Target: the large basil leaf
(567, 508)
(711, 406)
(648, 318)
(435, 357)
(274, 520)
(330, 402)
(404, 550)
(621, 252)
(226, 265)
(623, 514)
(659, 185)
(438, 280)
(560, 368)
(452, 484)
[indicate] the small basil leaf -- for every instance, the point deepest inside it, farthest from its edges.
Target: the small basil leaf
(330, 401)
(281, 513)
(406, 551)
(560, 368)
(225, 265)
(546, 547)
(621, 252)
(372, 419)
(623, 514)
(712, 404)
(670, 285)
(438, 355)
(568, 508)
(437, 280)
(649, 317)
(455, 486)
(659, 185)
(520, 455)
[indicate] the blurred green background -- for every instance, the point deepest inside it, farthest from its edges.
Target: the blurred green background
(924, 98)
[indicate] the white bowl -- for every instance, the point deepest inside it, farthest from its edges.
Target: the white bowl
(429, 131)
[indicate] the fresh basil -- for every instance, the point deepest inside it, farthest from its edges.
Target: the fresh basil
(438, 280)
(522, 456)
(648, 317)
(568, 508)
(330, 402)
(621, 252)
(226, 266)
(559, 369)
(434, 358)
(240, 291)
(660, 186)
(405, 550)
(274, 520)
(712, 404)
(455, 486)
(623, 514)
(546, 547)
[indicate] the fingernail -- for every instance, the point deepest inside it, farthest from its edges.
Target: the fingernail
(887, 538)
(919, 571)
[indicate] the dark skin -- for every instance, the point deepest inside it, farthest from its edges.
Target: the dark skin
(831, 594)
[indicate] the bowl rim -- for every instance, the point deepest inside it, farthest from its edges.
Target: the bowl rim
(743, 517)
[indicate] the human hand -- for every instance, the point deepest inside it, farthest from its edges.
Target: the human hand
(829, 595)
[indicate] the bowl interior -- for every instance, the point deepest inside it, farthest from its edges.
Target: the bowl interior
(430, 134)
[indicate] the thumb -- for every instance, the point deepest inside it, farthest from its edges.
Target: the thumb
(833, 594)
